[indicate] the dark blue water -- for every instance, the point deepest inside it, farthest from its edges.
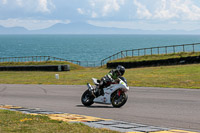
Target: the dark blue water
(84, 47)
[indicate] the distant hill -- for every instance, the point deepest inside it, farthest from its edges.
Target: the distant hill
(85, 28)
(13, 30)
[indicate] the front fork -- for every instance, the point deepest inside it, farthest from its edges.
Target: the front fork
(91, 89)
(119, 95)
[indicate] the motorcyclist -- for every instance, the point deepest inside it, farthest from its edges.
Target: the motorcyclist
(111, 77)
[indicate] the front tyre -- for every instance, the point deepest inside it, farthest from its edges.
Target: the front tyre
(87, 98)
(118, 101)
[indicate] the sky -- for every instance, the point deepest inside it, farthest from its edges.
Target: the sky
(133, 14)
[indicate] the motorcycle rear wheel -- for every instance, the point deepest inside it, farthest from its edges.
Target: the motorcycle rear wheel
(118, 101)
(87, 98)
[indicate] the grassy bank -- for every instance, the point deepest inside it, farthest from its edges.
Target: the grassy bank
(180, 76)
(22, 123)
(72, 66)
(157, 57)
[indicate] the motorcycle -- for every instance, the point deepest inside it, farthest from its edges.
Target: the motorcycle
(115, 94)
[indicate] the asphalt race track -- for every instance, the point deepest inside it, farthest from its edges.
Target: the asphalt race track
(164, 107)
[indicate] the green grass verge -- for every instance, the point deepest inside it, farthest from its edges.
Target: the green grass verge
(156, 57)
(180, 76)
(17, 122)
(72, 66)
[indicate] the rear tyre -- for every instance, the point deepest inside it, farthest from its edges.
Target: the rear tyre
(87, 98)
(118, 101)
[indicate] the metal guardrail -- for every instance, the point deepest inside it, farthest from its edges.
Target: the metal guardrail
(35, 59)
(48, 58)
(153, 51)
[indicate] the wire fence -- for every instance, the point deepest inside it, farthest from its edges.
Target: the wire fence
(195, 47)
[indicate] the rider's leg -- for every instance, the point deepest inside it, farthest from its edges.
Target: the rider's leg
(100, 88)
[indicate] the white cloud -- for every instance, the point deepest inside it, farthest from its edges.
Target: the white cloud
(164, 11)
(149, 25)
(31, 24)
(44, 5)
(19, 2)
(102, 7)
(169, 10)
(111, 5)
(94, 15)
(81, 11)
(31, 5)
(4, 2)
(92, 3)
(142, 11)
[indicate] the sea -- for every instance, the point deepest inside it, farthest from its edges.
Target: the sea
(84, 47)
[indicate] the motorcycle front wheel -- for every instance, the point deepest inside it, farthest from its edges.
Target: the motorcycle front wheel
(87, 98)
(118, 101)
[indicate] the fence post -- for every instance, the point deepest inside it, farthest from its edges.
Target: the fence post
(102, 63)
(138, 52)
(158, 50)
(193, 47)
(151, 51)
(174, 49)
(183, 48)
(166, 50)
(132, 52)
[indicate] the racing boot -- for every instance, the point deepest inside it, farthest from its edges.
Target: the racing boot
(101, 91)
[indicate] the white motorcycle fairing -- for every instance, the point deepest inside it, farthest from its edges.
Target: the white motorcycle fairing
(106, 99)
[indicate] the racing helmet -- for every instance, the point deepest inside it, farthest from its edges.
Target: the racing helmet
(121, 70)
